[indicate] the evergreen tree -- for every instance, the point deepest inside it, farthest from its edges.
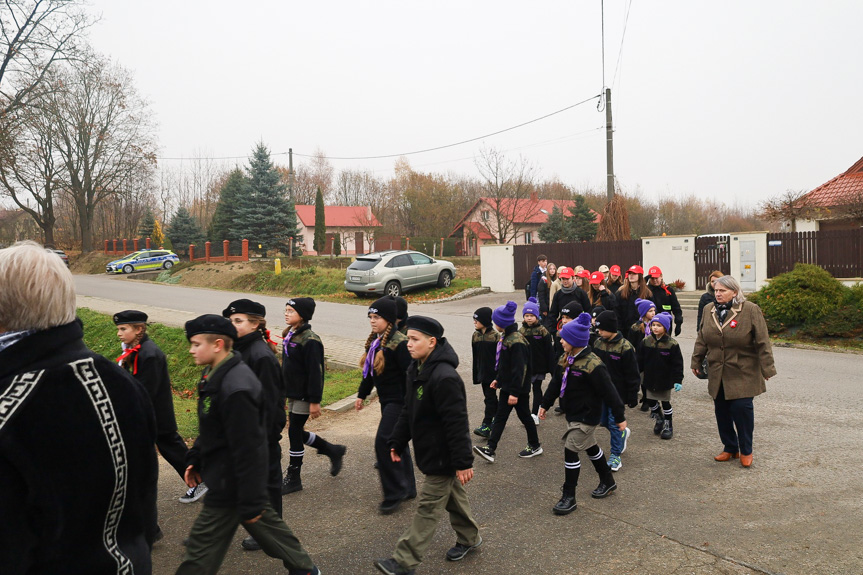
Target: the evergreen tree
(581, 225)
(554, 229)
(320, 241)
(184, 230)
(148, 223)
(337, 244)
(264, 215)
(230, 197)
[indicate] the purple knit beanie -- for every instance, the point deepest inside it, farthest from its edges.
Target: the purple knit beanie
(504, 316)
(531, 307)
(577, 332)
(643, 306)
(664, 319)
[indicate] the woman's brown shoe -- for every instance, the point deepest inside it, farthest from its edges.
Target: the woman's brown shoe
(725, 456)
(746, 460)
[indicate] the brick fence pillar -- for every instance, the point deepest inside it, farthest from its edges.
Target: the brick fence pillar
(147, 242)
(106, 246)
(115, 246)
(225, 247)
(125, 247)
(135, 245)
(245, 250)
(207, 252)
(191, 252)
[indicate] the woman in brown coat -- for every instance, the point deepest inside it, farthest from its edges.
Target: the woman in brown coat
(733, 337)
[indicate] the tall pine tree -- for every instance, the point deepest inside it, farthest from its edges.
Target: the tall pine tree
(581, 225)
(184, 230)
(264, 215)
(554, 228)
(230, 197)
(320, 242)
(148, 222)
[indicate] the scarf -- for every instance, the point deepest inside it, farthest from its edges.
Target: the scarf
(369, 364)
(722, 310)
(127, 351)
(287, 342)
(569, 289)
(497, 354)
(12, 337)
(569, 362)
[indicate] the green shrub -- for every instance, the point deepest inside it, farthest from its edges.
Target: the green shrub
(806, 293)
(854, 296)
(845, 322)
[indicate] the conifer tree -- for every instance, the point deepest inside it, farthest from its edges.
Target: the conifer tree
(320, 242)
(148, 222)
(581, 225)
(184, 230)
(230, 197)
(554, 229)
(337, 245)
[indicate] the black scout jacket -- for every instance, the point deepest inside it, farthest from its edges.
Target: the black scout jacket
(541, 346)
(588, 386)
(513, 369)
(391, 381)
(256, 353)
(620, 358)
(303, 365)
(484, 347)
(152, 372)
(661, 361)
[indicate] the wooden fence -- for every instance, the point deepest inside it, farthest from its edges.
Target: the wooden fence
(591, 255)
(840, 252)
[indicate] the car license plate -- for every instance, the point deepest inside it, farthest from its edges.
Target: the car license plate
(355, 278)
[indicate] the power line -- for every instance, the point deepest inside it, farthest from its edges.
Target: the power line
(620, 52)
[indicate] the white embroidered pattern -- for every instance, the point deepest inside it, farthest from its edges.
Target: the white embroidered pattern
(18, 391)
(85, 371)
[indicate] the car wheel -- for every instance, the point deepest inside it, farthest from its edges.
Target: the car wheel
(393, 288)
(168, 265)
(444, 279)
(127, 269)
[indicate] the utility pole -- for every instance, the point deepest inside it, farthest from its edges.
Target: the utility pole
(290, 173)
(609, 147)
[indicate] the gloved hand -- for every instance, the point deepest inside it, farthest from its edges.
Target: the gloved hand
(677, 329)
(678, 386)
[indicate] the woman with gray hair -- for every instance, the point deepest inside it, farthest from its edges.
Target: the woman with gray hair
(77, 460)
(733, 337)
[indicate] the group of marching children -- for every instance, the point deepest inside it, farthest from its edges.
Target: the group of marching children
(584, 332)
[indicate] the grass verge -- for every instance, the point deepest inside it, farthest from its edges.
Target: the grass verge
(100, 335)
(826, 344)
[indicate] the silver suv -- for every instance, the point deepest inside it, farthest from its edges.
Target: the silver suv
(395, 272)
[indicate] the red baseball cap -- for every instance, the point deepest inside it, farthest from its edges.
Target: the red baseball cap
(565, 272)
(636, 269)
(583, 274)
(654, 272)
(596, 278)
(615, 270)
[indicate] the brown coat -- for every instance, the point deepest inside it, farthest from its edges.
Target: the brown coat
(739, 355)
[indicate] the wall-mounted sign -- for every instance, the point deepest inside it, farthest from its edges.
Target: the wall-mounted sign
(774, 243)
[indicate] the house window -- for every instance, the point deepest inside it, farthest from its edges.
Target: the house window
(528, 237)
(485, 215)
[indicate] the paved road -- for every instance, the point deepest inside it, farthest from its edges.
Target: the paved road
(796, 511)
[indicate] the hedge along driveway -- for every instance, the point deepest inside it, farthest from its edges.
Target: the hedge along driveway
(100, 335)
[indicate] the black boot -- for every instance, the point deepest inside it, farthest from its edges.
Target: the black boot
(567, 504)
(292, 481)
(667, 430)
(606, 479)
(660, 422)
(336, 453)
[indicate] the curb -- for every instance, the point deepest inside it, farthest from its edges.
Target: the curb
(460, 295)
(347, 403)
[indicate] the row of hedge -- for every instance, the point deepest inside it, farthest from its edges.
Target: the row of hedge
(809, 302)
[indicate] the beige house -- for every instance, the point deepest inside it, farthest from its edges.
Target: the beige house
(354, 226)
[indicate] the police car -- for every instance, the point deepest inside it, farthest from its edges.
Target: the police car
(143, 260)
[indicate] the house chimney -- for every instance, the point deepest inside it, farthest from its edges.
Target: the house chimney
(533, 197)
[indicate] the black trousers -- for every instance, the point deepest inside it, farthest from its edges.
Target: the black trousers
(735, 419)
(274, 473)
(173, 449)
(397, 479)
(490, 402)
(522, 410)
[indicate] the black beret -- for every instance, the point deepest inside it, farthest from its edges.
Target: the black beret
(245, 306)
(130, 316)
(210, 323)
(304, 306)
(426, 325)
(607, 321)
(386, 308)
(401, 306)
(483, 316)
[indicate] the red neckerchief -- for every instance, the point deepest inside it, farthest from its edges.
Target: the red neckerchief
(269, 339)
(665, 287)
(129, 351)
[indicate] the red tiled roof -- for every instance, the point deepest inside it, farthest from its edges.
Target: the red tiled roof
(526, 211)
(479, 230)
(844, 189)
(340, 216)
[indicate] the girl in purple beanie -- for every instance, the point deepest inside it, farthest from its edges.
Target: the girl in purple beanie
(541, 345)
(661, 363)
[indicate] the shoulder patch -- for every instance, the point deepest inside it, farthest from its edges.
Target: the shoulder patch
(396, 338)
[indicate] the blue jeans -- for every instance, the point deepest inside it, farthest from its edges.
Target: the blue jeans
(608, 422)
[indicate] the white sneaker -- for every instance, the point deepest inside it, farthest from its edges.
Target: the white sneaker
(194, 493)
(535, 418)
(626, 433)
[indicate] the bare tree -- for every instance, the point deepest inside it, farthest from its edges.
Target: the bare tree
(507, 184)
(785, 207)
(104, 136)
(322, 173)
(34, 36)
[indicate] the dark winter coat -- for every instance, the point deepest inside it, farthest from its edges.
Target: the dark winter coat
(543, 296)
(303, 366)
(588, 386)
(620, 358)
(636, 334)
(541, 344)
(151, 370)
(484, 347)
(607, 300)
(563, 300)
(391, 381)
(513, 369)
(706, 298)
(535, 277)
(78, 469)
(231, 450)
(435, 415)
(666, 300)
(661, 362)
(256, 353)
(613, 286)
(627, 313)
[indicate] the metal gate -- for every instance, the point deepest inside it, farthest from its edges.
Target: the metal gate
(711, 253)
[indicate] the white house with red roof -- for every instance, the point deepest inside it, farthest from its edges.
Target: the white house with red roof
(355, 227)
(834, 205)
(511, 221)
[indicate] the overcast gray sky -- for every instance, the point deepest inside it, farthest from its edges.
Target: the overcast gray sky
(734, 100)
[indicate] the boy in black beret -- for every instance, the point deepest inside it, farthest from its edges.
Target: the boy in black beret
(303, 374)
(435, 418)
(231, 455)
(483, 345)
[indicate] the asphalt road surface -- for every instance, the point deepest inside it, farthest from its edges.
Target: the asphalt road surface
(796, 511)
